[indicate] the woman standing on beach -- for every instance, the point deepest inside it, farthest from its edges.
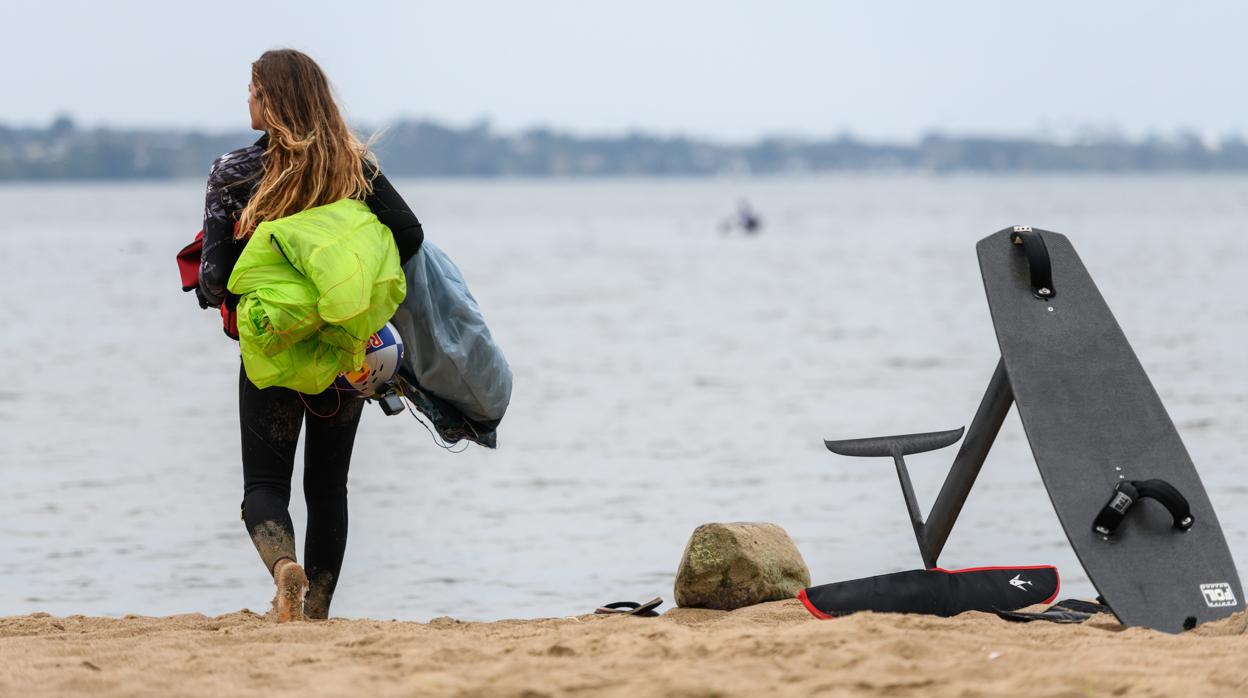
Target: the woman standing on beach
(307, 158)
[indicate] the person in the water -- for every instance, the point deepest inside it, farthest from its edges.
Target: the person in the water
(746, 220)
(306, 158)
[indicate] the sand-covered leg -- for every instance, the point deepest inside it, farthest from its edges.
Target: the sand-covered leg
(327, 460)
(320, 592)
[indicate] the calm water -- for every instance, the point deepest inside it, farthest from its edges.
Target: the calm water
(666, 375)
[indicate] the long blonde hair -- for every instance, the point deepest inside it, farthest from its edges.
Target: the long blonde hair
(312, 158)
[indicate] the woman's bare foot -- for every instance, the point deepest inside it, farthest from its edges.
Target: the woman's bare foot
(292, 583)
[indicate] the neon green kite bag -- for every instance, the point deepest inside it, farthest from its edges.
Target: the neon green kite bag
(313, 287)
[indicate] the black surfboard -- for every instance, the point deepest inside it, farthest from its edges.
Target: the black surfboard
(1094, 421)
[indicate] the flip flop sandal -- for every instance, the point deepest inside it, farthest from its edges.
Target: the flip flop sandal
(1067, 611)
(631, 608)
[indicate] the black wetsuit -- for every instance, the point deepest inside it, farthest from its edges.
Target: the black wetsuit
(271, 418)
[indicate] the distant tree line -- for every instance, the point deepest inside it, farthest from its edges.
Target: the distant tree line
(64, 151)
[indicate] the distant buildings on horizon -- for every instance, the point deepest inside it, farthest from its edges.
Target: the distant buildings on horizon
(63, 151)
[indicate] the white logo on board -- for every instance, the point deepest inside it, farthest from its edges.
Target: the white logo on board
(1217, 595)
(1021, 584)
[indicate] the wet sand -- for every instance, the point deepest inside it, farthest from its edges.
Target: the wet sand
(771, 649)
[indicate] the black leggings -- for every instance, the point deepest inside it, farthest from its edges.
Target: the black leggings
(271, 419)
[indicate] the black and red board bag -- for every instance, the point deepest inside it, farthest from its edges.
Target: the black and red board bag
(936, 591)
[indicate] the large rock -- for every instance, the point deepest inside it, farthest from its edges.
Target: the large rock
(730, 565)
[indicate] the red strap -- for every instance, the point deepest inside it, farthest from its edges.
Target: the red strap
(229, 321)
(188, 266)
(188, 262)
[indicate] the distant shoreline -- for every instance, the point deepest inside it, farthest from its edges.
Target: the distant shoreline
(197, 180)
(63, 151)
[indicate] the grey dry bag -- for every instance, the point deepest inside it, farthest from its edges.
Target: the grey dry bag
(452, 370)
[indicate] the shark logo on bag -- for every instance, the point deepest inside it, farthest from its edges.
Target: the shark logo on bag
(1020, 584)
(1217, 595)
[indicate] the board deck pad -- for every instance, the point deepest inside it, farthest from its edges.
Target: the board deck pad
(1093, 418)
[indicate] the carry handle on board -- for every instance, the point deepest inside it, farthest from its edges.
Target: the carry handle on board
(1037, 261)
(1128, 492)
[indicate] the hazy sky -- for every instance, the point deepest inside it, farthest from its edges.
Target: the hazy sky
(732, 70)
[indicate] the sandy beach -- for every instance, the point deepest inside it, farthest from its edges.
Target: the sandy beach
(770, 649)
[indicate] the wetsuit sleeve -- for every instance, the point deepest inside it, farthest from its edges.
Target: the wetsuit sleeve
(395, 214)
(220, 252)
(229, 186)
